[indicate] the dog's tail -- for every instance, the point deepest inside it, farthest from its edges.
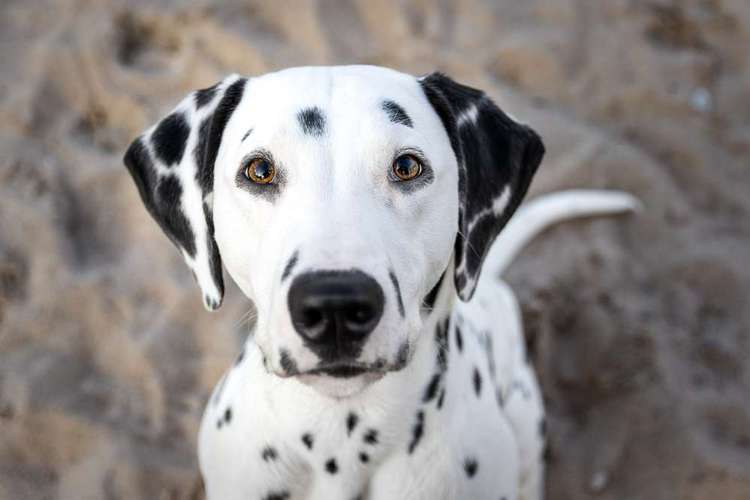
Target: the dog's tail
(535, 216)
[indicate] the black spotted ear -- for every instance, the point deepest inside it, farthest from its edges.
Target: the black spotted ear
(172, 163)
(496, 156)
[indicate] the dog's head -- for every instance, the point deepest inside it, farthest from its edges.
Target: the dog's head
(336, 199)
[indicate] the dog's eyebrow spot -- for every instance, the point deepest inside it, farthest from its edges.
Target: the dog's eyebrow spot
(312, 121)
(290, 265)
(396, 113)
(396, 286)
(249, 131)
(170, 138)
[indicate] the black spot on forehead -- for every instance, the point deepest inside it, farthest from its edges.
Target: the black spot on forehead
(470, 466)
(169, 139)
(312, 121)
(396, 113)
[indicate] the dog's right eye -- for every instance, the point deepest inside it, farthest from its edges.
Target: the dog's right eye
(260, 171)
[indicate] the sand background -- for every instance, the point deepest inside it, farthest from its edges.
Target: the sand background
(639, 324)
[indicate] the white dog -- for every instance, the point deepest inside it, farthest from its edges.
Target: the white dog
(352, 205)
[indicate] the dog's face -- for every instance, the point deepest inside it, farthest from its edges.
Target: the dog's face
(335, 198)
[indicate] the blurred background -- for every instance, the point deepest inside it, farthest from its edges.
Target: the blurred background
(638, 324)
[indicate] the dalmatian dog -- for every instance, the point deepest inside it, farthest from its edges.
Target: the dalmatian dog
(355, 207)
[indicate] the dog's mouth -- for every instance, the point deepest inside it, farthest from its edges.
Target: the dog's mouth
(347, 370)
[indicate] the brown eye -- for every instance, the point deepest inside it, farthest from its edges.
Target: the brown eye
(406, 167)
(260, 171)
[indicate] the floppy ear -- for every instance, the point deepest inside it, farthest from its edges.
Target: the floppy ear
(496, 156)
(172, 163)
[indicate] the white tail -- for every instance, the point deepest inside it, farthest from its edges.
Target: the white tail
(538, 214)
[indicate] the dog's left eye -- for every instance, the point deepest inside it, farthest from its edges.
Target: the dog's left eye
(260, 171)
(406, 167)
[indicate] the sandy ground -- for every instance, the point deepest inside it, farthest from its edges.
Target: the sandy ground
(639, 324)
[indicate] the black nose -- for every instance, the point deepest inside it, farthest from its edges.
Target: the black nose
(335, 311)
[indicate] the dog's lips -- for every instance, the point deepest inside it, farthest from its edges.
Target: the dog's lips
(342, 371)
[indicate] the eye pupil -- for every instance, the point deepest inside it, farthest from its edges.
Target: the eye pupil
(406, 167)
(260, 171)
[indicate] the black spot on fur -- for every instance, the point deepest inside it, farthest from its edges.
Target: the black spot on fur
(307, 439)
(471, 466)
(170, 214)
(269, 454)
(396, 113)
(247, 134)
(477, 380)
(277, 495)
(493, 153)
(371, 436)
(351, 423)
(287, 362)
(169, 139)
(417, 431)
(290, 266)
(204, 96)
(228, 415)
(331, 466)
(441, 341)
(364, 457)
(214, 259)
(459, 340)
(432, 388)
(312, 121)
(431, 297)
(441, 399)
(215, 132)
(397, 288)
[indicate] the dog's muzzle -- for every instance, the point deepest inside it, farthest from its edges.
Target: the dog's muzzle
(334, 312)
